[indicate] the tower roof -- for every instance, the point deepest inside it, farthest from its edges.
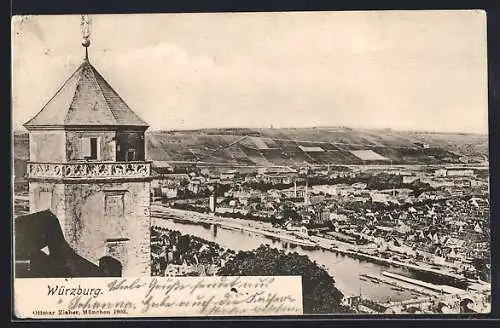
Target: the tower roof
(86, 99)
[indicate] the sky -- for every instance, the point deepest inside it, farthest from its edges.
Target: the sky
(405, 70)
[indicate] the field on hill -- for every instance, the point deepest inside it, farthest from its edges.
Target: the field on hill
(302, 146)
(315, 146)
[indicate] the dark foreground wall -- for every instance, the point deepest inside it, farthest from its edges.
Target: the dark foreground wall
(41, 230)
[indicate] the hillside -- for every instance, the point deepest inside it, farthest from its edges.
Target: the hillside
(301, 146)
(315, 146)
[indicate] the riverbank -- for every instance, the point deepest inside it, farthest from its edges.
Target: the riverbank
(436, 288)
(161, 212)
(401, 285)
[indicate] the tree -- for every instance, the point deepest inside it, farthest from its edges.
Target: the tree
(384, 181)
(318, 288)
(289, 212)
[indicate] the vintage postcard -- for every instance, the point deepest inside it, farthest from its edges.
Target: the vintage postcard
(250, 164)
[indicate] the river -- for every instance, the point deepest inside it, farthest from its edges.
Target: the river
(345, 270)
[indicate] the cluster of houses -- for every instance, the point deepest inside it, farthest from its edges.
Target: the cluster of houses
(449, 233)
(169, 181)
(446, 225)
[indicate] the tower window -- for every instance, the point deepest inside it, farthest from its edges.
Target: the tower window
(90, 148)
(93, 148)
(114, 205)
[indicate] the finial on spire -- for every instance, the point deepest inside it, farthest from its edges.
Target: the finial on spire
(86, 23)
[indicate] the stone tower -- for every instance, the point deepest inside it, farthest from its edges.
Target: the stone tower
(87, 165)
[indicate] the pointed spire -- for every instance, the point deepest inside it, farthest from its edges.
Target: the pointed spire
(84, 88)
(85, 24)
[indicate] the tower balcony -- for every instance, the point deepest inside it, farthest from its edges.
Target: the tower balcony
(89, 170)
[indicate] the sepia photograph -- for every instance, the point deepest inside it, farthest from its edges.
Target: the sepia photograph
(267, 163)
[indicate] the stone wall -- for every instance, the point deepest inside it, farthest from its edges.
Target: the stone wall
(46, 195)
(92, 229)
(107, 144)
(47, 146)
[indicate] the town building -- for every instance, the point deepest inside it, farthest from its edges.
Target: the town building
(459, 172)
(88, 167)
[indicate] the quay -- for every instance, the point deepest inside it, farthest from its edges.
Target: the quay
(421, 268)
(160, 212)
(430, 293)
(403, 285)
(342, 249)
(438, 288)
(209, 220)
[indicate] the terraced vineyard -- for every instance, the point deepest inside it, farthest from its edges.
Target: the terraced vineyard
(315, 146)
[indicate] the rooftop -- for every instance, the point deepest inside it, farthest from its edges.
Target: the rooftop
(85, 99)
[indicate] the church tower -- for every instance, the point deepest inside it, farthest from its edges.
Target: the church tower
(87, 165)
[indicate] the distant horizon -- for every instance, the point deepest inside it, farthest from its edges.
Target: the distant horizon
(151, 129)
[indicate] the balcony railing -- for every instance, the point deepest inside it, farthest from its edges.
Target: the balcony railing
(89, 170)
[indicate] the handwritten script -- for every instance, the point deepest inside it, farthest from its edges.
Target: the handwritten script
(157, 297)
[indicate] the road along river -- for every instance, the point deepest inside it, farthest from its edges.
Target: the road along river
(351, 275)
